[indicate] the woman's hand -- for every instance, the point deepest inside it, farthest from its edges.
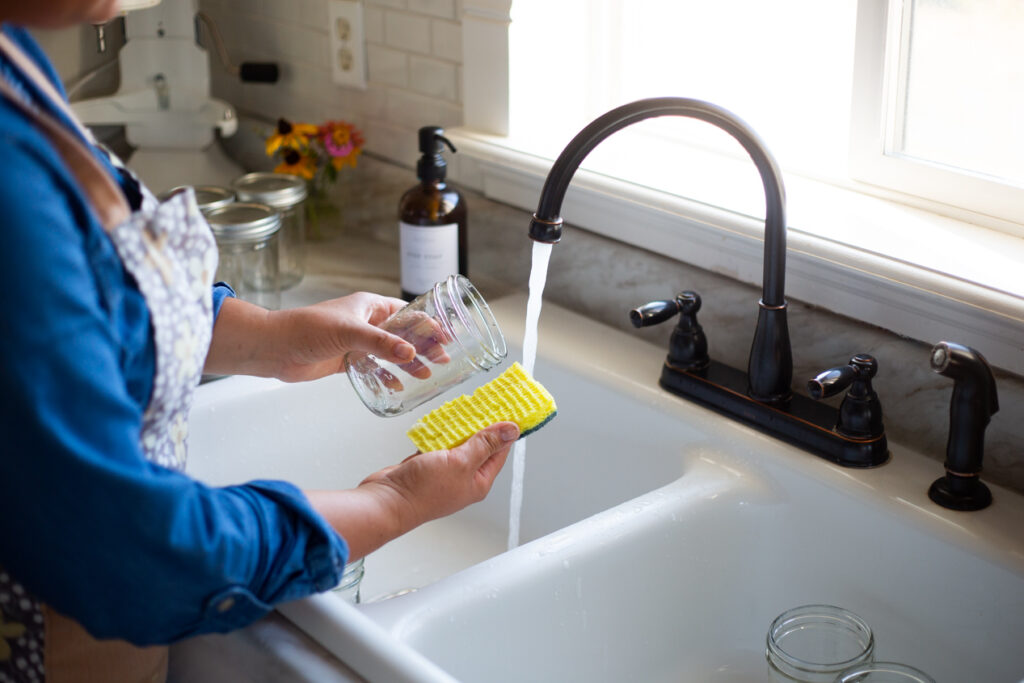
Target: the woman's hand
(422, 487)
(303, 343)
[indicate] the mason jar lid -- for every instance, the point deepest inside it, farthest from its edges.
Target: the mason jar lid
(208, 197)
(242, 222)
(278, 190)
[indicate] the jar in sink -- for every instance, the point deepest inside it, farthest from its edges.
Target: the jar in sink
(815, 643)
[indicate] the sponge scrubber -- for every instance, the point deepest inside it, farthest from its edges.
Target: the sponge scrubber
(512, 396)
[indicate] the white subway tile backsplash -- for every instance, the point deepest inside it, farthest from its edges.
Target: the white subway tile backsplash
(387, 66)
(446, 40)
(407, 32)
(373, 24)
(397, 4)
(412, 110)
(414, 66)
(432, 77)
(435, 8)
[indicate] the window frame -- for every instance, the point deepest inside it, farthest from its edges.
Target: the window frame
(914, 286)
(882, 45)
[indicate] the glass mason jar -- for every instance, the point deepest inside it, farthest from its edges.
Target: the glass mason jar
(348, 588)
(814, 643)
(247, 243)
(287, 194)
(455, 335)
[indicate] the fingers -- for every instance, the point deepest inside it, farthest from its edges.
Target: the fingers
(490, 441)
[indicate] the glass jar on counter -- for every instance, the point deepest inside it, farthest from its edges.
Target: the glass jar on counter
(287, 194)
(208, 197)
(247, 243)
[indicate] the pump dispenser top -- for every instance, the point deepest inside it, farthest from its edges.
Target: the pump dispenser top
(432, 165)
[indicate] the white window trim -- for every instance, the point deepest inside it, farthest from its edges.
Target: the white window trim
(880, 50)
(923, 289)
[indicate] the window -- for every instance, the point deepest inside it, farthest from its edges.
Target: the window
(889, 211)
(939, 111)
(936, 109)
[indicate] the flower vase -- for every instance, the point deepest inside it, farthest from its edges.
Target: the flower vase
(322, 213)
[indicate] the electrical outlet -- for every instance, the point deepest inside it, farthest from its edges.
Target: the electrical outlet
(347, 43)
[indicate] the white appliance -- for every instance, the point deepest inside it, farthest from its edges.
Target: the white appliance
(164, 100)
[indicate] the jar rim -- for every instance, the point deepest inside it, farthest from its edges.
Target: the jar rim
(241, 222)
(279, 190)
(456, 288)
(798, 618)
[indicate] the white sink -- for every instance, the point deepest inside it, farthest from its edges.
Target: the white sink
(318, 435)
(663, 538)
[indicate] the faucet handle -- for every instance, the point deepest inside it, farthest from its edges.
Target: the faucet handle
(687, 303)
(688, 347)
(860, 413)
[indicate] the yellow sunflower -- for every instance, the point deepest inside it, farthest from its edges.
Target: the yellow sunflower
(288, 134)
(296, 163)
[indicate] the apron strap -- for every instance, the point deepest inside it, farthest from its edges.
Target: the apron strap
(104, 195)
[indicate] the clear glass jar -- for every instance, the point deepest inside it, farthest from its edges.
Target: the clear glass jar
(247, 243)
(455, 335)
(814, 643)
(348, 588)
(884, 672)
(287, 194)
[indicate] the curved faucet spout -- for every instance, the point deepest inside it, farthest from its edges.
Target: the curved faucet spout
(771, 365)
(547, 223)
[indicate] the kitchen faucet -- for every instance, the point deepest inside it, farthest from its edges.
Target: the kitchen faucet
(761, 396)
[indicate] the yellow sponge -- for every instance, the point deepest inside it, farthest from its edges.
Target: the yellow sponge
(512, 396)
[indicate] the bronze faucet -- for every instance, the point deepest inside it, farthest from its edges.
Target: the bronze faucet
(762, 396)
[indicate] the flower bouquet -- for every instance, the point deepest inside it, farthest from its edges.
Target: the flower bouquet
(316, 153)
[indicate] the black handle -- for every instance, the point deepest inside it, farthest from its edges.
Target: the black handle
(860, 413)
(687, 303)
(835, 380)
(258, 72)
(653, 313)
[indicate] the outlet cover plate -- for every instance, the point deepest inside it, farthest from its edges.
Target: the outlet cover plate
(347, 43)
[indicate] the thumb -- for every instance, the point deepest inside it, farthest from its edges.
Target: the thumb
(488, 442)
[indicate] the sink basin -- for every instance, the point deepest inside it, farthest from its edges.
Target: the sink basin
(682, 583)
(660, 539)
(318, 435)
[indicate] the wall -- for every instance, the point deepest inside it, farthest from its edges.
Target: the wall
(414, 59)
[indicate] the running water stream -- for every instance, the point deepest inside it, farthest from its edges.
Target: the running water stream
(538, 276)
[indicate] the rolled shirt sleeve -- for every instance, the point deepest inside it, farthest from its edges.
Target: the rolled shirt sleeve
(128, 548)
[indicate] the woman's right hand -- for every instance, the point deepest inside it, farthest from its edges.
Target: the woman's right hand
(422, 487)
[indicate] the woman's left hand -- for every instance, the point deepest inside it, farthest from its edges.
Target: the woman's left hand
(303, 343)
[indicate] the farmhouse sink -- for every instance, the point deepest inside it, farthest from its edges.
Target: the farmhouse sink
(660, 539)
(319, 436)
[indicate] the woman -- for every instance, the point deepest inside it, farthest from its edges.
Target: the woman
(106, 322)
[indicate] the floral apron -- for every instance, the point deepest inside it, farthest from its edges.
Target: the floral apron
(169, 250)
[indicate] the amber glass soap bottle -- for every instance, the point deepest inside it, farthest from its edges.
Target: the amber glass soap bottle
(432, 221)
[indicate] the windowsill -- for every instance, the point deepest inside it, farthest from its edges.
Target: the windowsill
(905, 269)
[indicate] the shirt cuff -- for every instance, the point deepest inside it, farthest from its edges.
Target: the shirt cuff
(221, 291)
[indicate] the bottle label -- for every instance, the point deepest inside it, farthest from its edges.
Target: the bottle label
(429, 254)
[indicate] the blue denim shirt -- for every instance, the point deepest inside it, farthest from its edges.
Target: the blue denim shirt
(128, 548)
